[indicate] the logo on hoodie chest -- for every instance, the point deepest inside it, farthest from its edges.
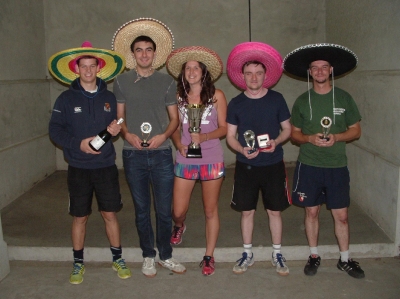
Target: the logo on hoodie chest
(107, 107)
(78, 110)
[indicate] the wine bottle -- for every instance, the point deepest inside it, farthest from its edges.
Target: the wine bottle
(97, 142)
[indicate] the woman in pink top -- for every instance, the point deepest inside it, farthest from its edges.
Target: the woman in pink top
(196, 68)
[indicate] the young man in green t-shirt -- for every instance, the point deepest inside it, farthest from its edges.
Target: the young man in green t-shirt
(323, 119)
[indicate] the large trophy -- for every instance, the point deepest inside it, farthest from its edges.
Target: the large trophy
(326, 123)
(146, 130)
(194, 113)
(250, 139)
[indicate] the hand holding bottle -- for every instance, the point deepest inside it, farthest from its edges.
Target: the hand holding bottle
(112, 130)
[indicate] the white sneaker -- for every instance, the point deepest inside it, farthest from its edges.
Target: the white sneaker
(279, 262)
(173, 265)
(243, 263)
(149, 267)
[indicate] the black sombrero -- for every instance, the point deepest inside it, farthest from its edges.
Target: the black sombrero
(341, 58)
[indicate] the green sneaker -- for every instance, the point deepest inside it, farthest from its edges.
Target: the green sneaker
(76, 276)
(123, 271)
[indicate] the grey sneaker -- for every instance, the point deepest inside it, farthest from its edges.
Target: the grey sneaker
(243, 263)
(279, 262)
(173, 265)
(149, 267)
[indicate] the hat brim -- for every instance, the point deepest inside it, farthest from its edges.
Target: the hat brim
(157, 31)
(340, 58)
(194, 53)
(250, 51)
(61, 65)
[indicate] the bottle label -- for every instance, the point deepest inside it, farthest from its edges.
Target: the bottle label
(97, 142)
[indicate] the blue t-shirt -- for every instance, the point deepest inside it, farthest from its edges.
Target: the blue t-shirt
(262, 116)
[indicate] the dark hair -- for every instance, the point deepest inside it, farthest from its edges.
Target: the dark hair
(143, 38)
(256, 62)
(207, 90)
(87, 57)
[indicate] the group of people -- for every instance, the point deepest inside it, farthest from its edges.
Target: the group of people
(155, 108)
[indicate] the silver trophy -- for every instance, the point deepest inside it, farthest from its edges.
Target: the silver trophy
(250, 139)
(326, 123)
(194, 113)
(146, 130)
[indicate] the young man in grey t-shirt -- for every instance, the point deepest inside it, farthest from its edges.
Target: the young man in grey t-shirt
(147, 101)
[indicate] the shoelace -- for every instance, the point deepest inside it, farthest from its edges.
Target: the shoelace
(177, 232)
(242, 259)
(280, 259)
(121, 263)
(206, 261)
(148, 263)
(77, 269)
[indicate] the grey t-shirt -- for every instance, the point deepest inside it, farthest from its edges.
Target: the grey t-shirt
(146, 101)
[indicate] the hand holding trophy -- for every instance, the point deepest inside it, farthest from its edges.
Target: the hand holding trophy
(250, 139)
(194, 113)
(326, 123)
(146, 130)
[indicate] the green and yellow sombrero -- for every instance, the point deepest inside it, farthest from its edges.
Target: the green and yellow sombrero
(62, 64)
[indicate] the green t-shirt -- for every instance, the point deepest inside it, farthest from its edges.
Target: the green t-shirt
(343, 113)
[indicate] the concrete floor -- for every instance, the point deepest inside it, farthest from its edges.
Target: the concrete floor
(36, 228)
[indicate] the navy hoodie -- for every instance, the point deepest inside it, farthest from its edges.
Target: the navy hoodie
(77, 115)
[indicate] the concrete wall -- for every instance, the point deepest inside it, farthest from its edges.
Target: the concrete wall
(370, 29)
(219, 25)
(26, 156)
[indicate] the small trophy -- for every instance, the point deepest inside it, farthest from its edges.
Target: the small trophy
(194, 113)
(326, 123)
(250, 139)
(146, 130)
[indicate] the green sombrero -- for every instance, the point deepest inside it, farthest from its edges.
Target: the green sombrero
(62, 64)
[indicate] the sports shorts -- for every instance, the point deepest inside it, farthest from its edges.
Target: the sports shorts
(205, 172)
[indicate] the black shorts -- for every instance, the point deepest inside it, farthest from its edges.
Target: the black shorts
(272, 182)
(105, 184)
(313, 186)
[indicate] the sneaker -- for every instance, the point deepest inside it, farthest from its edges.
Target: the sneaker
(279, 262)
(76, 276)
(173, 265)
(351, 267)
(120, 266)
(242, 263)
(312, 265)
(177, 233)
(149, 267)
(208, 265)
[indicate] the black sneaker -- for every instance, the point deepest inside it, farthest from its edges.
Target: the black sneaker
(351, 267)
(312, 265)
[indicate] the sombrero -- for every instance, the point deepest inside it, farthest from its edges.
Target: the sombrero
(157, 31)
(62, 64)
(249, 51)
(341, 58)
(197, 53)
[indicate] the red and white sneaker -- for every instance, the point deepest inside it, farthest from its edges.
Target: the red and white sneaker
(208, 265)
(177, 233)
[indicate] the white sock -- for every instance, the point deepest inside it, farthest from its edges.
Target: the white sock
(344, 256)
(314, 251)
(248, 248)
(276, 248)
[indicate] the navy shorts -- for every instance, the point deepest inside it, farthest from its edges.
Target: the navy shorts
(314, 186)
(272, 182)
(103, 182)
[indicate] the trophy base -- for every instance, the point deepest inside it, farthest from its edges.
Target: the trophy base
(251, 151)
(194, 153)
(325, 138)
(144, 144)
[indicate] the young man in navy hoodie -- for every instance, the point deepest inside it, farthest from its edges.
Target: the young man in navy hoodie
(79, 114)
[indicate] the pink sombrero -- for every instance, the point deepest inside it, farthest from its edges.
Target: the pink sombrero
(62, 64)
(261, 52)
